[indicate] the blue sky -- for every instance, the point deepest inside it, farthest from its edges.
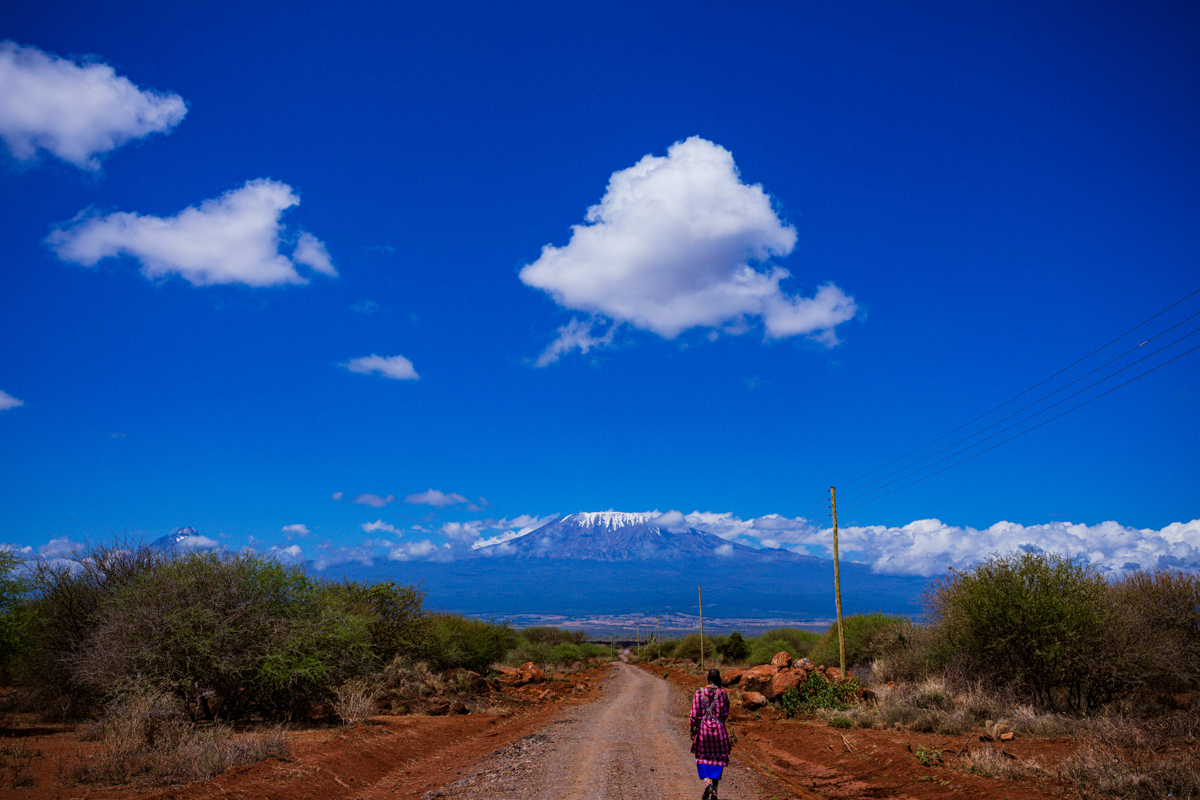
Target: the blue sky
(257, 254)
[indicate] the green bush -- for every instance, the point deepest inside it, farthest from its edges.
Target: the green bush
(860, 630)
(798, 643)
(462, 642)
(552, 636)
(689, 647)
(1038, 622)
(818, 693)
(592, 650)
(734, 648)
(14, 588)
(566, 653)
(540, 653)
(227, 634)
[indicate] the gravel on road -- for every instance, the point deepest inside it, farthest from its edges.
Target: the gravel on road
(631, 743)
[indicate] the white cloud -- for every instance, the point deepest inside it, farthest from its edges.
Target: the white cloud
(379, 525)
(930, 547)
(198, 541)
(436, 499)
(74, 111)
(232, 239)
(396, 367)
(423, 549)
(575, 335)
(300, 530)
(336, 495)
(8, 401)
(288, 555)
(311, 252)
(670, 247)
(374, 500)
(332, 556)
(509, 529)
(61, 547)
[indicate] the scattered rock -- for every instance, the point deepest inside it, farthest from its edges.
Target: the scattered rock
(732, 677)
(753, 700)
(833, 673)
(459, 707)
(1007, 737)
(782, 659)
(758, 679)
(438, 710)
(783, 681)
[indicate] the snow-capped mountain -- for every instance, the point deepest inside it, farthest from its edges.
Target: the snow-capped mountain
(175, 538)
(618, 536)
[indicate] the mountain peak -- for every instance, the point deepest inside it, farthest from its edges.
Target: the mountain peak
(609, 519)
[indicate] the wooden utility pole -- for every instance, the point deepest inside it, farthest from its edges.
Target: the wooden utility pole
(837, 584)
(658, 636)
(700, 598)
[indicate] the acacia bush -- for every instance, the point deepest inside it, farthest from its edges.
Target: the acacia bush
(60, 615)
(227, 635)
(862, 635)
(798, 643)
(1162, 614)
(453, 641)
(1039, 622)
(689, 647)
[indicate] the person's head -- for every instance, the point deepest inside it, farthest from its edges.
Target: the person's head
(714, 677)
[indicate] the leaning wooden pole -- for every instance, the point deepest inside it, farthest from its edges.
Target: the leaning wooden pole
(700, 599)
(837, 584)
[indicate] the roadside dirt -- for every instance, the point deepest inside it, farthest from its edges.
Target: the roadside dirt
(813, 760)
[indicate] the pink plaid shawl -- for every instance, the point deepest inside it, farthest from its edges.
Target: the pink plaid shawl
(710, 709)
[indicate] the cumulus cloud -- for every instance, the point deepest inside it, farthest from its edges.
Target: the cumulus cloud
(330, 556)
(673, 245)
(395, 367)
(234, 238)
(374, 500)
(505, 530)
(422, 550)
(74, 111)
(288, 555)
(197, 541)
(379, 525)
(929, 546)
(336, 495)
(436, 499)
(8, 401)
(61, 547)
(300, 530)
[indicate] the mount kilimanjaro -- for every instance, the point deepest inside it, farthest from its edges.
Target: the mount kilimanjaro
(611, 563)
(617, 536)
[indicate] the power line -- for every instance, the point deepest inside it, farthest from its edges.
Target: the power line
(860, 490)
(1026, 391)
(1028, 430)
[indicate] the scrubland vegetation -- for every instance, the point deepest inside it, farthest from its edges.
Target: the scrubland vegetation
(160, 655)
(1031, 644)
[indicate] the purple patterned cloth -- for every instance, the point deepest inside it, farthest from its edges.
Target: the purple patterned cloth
(710, 709)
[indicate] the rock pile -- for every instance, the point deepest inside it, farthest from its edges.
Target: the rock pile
(767, 683)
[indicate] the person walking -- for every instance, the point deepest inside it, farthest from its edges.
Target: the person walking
(710, 740)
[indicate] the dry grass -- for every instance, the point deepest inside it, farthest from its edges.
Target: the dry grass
(145, 738)
(1102, 771)
(356, 699)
